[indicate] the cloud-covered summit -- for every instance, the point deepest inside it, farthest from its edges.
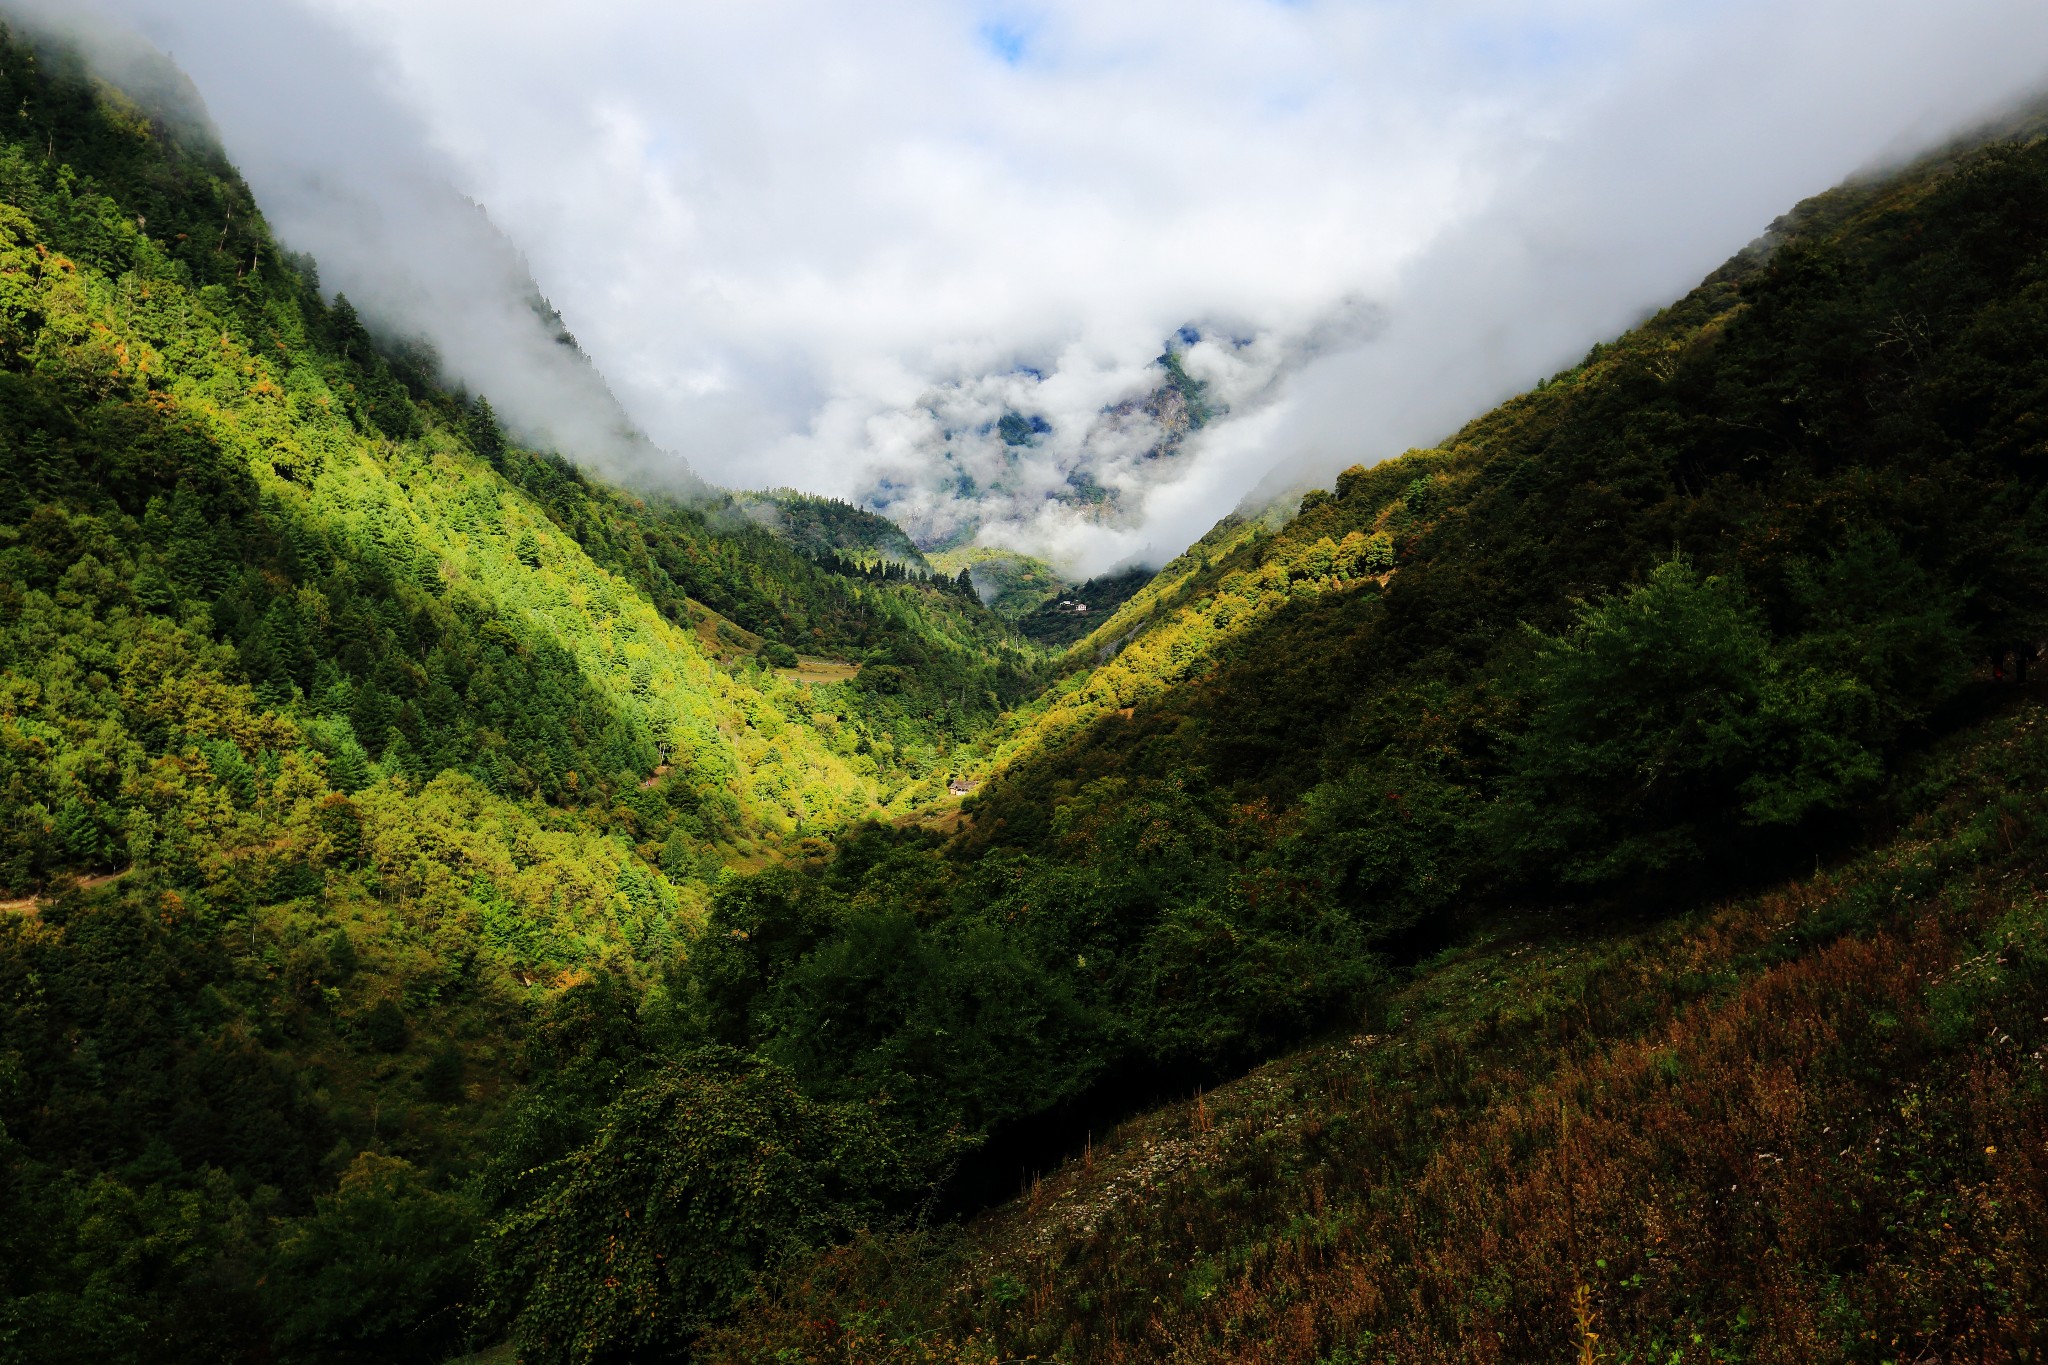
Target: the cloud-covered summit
(1049, 452)
(849, 249)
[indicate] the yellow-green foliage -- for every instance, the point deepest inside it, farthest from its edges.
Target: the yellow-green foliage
(169, 348)
(1220, 591)
(742, 733)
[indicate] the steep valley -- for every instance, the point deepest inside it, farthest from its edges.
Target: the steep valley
(1572, 892)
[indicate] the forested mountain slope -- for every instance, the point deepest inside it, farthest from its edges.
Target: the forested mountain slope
(1033, 596)
(1666, 625)
(339, 736)
(503, 951)
(196, 431)
(824, 528)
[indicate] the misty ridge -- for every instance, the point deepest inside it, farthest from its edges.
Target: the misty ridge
(1584, 207)
(426, 270)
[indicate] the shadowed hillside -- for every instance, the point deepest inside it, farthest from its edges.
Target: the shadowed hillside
(1661, 630)
(1801, 1125)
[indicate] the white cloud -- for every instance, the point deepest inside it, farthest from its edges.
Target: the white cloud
(806, 242)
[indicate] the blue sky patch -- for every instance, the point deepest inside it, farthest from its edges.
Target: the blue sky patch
(1007, 42)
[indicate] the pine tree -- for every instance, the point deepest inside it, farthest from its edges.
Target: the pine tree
(152, 591)
(371, 714)
(292, 655)
(399, 757)
(484, 436)
(348, 767)
(352, 340)
(195, 552)
(79, 835)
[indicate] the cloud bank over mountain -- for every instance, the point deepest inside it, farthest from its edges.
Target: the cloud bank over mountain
(930, 256)
(347, 175)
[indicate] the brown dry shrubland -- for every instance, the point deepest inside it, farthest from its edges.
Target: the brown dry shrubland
(1809, 1125)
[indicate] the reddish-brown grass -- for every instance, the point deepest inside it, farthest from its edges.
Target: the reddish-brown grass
(1808, 1126)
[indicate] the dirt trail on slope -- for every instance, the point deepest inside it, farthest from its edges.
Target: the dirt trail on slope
(29, 905)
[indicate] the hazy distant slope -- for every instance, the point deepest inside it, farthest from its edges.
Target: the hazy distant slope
(1079, 608)
(822, 527)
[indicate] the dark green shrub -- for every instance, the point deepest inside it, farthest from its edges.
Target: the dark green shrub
(1662, 714)
(378, 1271)
(441, 1078)
(697, 1178)
(382, 1027)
